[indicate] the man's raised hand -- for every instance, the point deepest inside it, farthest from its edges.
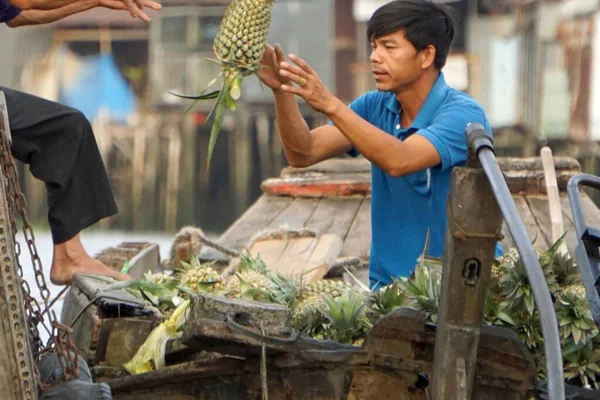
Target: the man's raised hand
(135, 7)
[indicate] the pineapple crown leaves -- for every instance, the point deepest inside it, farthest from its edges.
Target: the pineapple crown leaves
(346, 317)
(496, 312)
(424, 290)
(249, 262)
(387, 299)
(286, 290)
(582, 363)
(307, 318)
(574, 315)
(527, 326)
(514, 281)
(152, 292)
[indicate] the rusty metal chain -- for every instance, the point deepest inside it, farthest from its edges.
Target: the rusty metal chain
(59, 335)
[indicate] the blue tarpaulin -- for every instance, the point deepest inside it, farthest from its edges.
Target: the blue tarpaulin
(98, 85)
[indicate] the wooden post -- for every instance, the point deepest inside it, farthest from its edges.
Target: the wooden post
(473, 229)
(556, 218)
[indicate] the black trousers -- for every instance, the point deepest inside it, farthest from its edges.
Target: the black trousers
(58, 144)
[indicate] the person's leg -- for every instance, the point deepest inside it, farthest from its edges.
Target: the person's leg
(58, 144)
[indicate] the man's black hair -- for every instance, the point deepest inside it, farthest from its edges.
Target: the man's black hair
(424, 23)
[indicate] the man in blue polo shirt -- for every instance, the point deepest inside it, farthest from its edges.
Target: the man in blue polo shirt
(58, 144)
(411, 128)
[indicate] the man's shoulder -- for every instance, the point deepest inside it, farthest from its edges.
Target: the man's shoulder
(460, 102)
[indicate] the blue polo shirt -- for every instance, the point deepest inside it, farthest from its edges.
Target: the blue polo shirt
(8, 11)
(404, 208)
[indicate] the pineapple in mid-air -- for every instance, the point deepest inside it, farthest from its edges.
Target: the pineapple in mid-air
(239, 46)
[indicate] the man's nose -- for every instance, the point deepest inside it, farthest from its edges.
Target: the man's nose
(374, 57)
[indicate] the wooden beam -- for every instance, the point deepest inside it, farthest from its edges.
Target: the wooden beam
(474, 224)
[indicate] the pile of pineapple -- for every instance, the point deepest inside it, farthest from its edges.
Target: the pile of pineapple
(510, 303)
(335, 310)
(325, 309)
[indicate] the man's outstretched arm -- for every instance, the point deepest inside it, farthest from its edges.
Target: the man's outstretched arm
(302, 147)
(135, 7)
(40, 17)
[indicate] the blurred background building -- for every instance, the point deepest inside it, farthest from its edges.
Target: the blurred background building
(533, 64)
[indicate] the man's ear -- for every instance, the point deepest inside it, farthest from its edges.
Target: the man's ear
(427, 57)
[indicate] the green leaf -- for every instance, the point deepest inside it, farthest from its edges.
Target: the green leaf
(208, 96)
(220, 109)
(152, 298)
(504, 317)
(576, 334)
(530, 305)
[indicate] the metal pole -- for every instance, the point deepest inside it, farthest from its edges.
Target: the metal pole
(480, 144)
(16, 361)
(473, 230)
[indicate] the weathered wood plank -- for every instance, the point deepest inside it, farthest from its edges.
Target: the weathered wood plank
(295, 256)
(307, 256)
(324, 255)
(256, 218)
(541, 212)
(335, 215)
(269, 251)
(295, 215)
(358, 240)
(533, 230)
(332, 166)
(535, 163)
(319, 185)
(273, 318)
(354, 165)
(591, 212)
(216, 336)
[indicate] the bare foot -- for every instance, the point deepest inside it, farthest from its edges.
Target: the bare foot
(71, 258)
(62, 274)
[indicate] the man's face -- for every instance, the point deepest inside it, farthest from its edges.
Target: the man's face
(395, 62)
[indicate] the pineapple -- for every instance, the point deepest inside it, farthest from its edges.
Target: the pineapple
(249, 285)
(495, 311)
(528, 327)
(574, 315)
(514, 282)
(386, 300)
(251, 279)
(286, 290)
(159, 278)
(199, 278)
(565, 270)
(582, 364)
(423, 290)
(346, 317)
(307, 318)
(329, 287)
(239, 46)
